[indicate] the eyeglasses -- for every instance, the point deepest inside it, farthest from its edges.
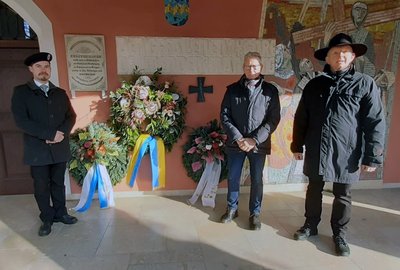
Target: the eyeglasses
(252, 67)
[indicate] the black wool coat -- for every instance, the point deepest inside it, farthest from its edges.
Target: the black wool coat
(341, 123)
(40, 117)
(250, 116)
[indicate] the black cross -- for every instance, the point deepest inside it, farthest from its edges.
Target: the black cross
(200, 89)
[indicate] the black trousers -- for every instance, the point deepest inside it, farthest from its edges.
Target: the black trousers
(341, 207)
(49, 190)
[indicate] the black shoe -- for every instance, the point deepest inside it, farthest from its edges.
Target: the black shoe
(255, 222)
(229, 216)
(304, 232)
(66, 219)
(45, 228)
(341, 246)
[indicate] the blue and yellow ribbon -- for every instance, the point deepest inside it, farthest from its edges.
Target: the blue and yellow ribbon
(157, 157)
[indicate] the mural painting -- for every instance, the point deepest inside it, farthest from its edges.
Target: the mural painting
(300, 28)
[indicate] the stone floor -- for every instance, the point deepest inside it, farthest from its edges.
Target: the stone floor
(153, 232)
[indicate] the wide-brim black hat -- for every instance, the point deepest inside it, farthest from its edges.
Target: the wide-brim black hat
(37, 57)
(341, 40)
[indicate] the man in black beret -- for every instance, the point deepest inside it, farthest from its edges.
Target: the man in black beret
(340, 121)
(44, 113)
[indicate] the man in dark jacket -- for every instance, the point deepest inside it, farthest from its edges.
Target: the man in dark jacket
(250, 112)
(45, 115)
(340, 121)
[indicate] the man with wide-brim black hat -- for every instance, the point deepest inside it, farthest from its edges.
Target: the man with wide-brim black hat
(340, 123)
(44, 113)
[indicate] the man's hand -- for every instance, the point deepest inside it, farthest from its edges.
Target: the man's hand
(366, 168)
(298, 156)
(58, 138)
(246, 144)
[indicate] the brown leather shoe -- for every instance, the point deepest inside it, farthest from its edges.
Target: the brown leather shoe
(45, 228)
(66, 219)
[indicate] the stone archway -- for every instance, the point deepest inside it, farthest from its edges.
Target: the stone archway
(31, 13)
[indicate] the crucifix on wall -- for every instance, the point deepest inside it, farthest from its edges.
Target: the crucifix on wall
(200, 89)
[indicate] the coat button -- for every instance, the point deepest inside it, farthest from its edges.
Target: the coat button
(51, 115)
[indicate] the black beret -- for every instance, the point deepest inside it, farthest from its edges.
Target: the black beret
(37, 57)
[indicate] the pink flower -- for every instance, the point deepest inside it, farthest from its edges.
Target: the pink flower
(224, 137)
(87, 144)
(209, 158)
(198, 140)
(196, 166)
(214, 134)
(191, 150)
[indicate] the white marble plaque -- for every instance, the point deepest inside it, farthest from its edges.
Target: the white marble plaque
(189, 56)
(86, 63)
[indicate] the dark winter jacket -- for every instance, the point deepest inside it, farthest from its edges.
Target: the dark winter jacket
(340, 121)
(40, 117)
(250, 116)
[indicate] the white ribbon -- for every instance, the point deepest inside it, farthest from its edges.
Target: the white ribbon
(207, 185)
(96, 178)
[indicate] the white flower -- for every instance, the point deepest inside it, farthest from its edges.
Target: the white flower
(151, 107)
(208, 146)
(124, 103)
(138, 115)
(143, 92)
(144, 80)
(175, 96)
(170, 113)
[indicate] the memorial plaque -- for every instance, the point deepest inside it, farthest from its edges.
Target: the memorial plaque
(86, 63)
(191, 56)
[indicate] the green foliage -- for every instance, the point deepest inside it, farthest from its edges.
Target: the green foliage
(97, 143)
(205, 144)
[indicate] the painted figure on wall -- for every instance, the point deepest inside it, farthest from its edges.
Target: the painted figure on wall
(366, 63)
(308, 26)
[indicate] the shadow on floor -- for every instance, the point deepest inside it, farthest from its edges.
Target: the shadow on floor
(129, 236)
(374, 224)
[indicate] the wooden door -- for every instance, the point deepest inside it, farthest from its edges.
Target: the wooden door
(14, 175)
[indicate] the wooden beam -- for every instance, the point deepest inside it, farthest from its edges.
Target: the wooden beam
(346, 25)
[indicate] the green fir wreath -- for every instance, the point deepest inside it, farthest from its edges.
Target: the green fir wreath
(97, 143)
(205, 144)
(146, 106)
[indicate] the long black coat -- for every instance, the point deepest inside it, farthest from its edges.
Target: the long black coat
(341, 123)
(40, 117)
(255, 116)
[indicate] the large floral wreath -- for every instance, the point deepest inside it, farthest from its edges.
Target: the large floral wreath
(97, 143)
(147, 106)
(205, 144)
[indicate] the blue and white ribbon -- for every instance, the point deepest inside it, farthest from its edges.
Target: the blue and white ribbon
(97, 178)
(208, 185)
